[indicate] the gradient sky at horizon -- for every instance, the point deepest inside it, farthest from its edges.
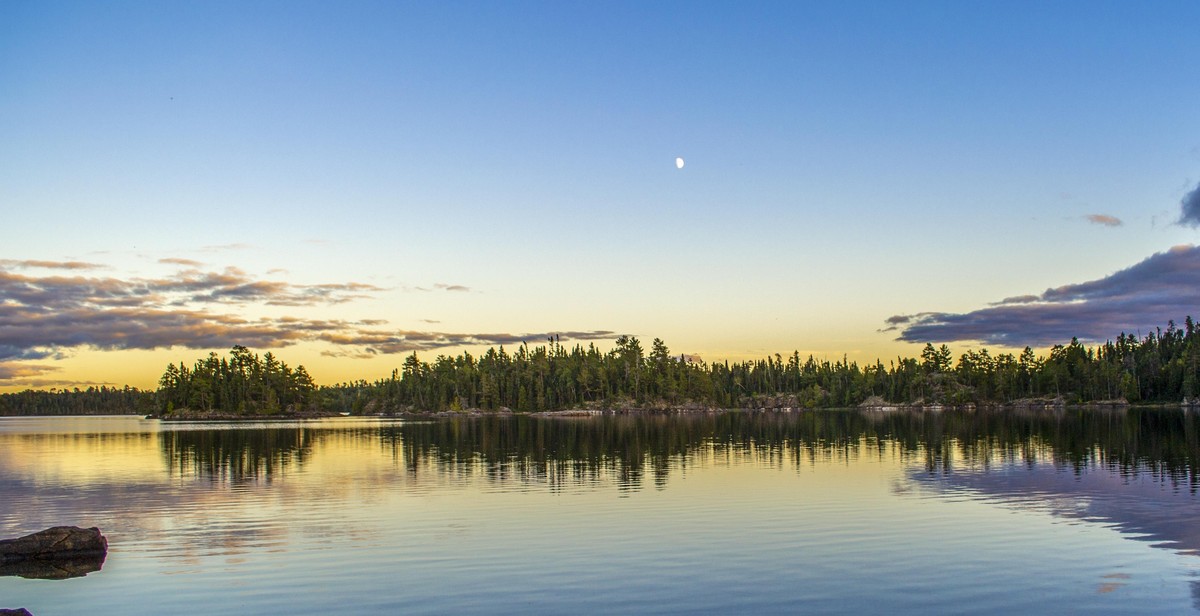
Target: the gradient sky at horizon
(354, 181)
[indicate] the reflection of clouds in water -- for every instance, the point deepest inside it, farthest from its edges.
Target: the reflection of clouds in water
(241, 491)
(1113, 582)
(202, 491)
(1142, 506)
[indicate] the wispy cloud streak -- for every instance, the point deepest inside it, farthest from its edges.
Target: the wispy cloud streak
(1104, 219)
(180, 261)
(63, 265)
(10, 371)
(372, 342)
(441, 286)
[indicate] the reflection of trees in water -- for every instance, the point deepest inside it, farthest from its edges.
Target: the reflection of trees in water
(242, 453)
(582, 451)
(83, 441)
(1163, 443)
(628, 448)
(558, 451)
(1132, 471)
(235, 455)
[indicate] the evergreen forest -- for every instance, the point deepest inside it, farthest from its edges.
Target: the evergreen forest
(1161, 367)
(102, 400)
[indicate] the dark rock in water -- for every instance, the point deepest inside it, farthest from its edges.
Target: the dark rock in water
(55, 553)
(52, 568)
(17, 612)
(57, 542)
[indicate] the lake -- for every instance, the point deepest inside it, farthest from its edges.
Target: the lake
(739, 512)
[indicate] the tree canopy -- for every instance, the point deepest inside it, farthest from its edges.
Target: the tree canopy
(242, 383)
(1162, 366)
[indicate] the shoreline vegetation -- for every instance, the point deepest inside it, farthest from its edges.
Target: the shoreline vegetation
(1160, 369)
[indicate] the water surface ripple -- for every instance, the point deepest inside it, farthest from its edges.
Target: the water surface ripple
(828, 512)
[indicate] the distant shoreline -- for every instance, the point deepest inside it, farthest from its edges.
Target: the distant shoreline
(1017, 405)
(873, 405)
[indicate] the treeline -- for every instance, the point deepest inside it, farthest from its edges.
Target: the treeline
(544, 377)
(242, 383)
(101, 400)
(1163, 366)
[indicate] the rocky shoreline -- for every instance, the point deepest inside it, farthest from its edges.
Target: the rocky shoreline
(786, 404)
(189, 415)
(1056, 403)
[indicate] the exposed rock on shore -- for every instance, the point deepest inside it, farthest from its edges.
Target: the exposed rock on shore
(876, 403)
(1056, 403)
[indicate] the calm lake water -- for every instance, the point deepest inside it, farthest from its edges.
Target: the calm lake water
(828, 512)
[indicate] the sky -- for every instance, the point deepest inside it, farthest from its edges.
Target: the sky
(346, 183)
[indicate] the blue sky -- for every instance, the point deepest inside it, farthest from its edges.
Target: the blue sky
(485, 172)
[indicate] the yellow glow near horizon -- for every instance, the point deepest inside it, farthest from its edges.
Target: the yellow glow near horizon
(143, 368)
(83, 459)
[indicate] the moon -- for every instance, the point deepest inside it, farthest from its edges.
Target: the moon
(678, 163)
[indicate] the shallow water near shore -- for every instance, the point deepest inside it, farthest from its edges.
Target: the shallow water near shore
(829, 511)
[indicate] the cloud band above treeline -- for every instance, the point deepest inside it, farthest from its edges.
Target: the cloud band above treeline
(1163, 287)
(44, 317)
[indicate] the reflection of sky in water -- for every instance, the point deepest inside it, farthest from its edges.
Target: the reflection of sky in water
(816, 512)
(1139, 503)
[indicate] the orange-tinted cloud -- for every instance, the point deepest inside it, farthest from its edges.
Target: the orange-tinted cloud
(10, 371)
(180, 261)
(66, 265)
(1104, 219)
